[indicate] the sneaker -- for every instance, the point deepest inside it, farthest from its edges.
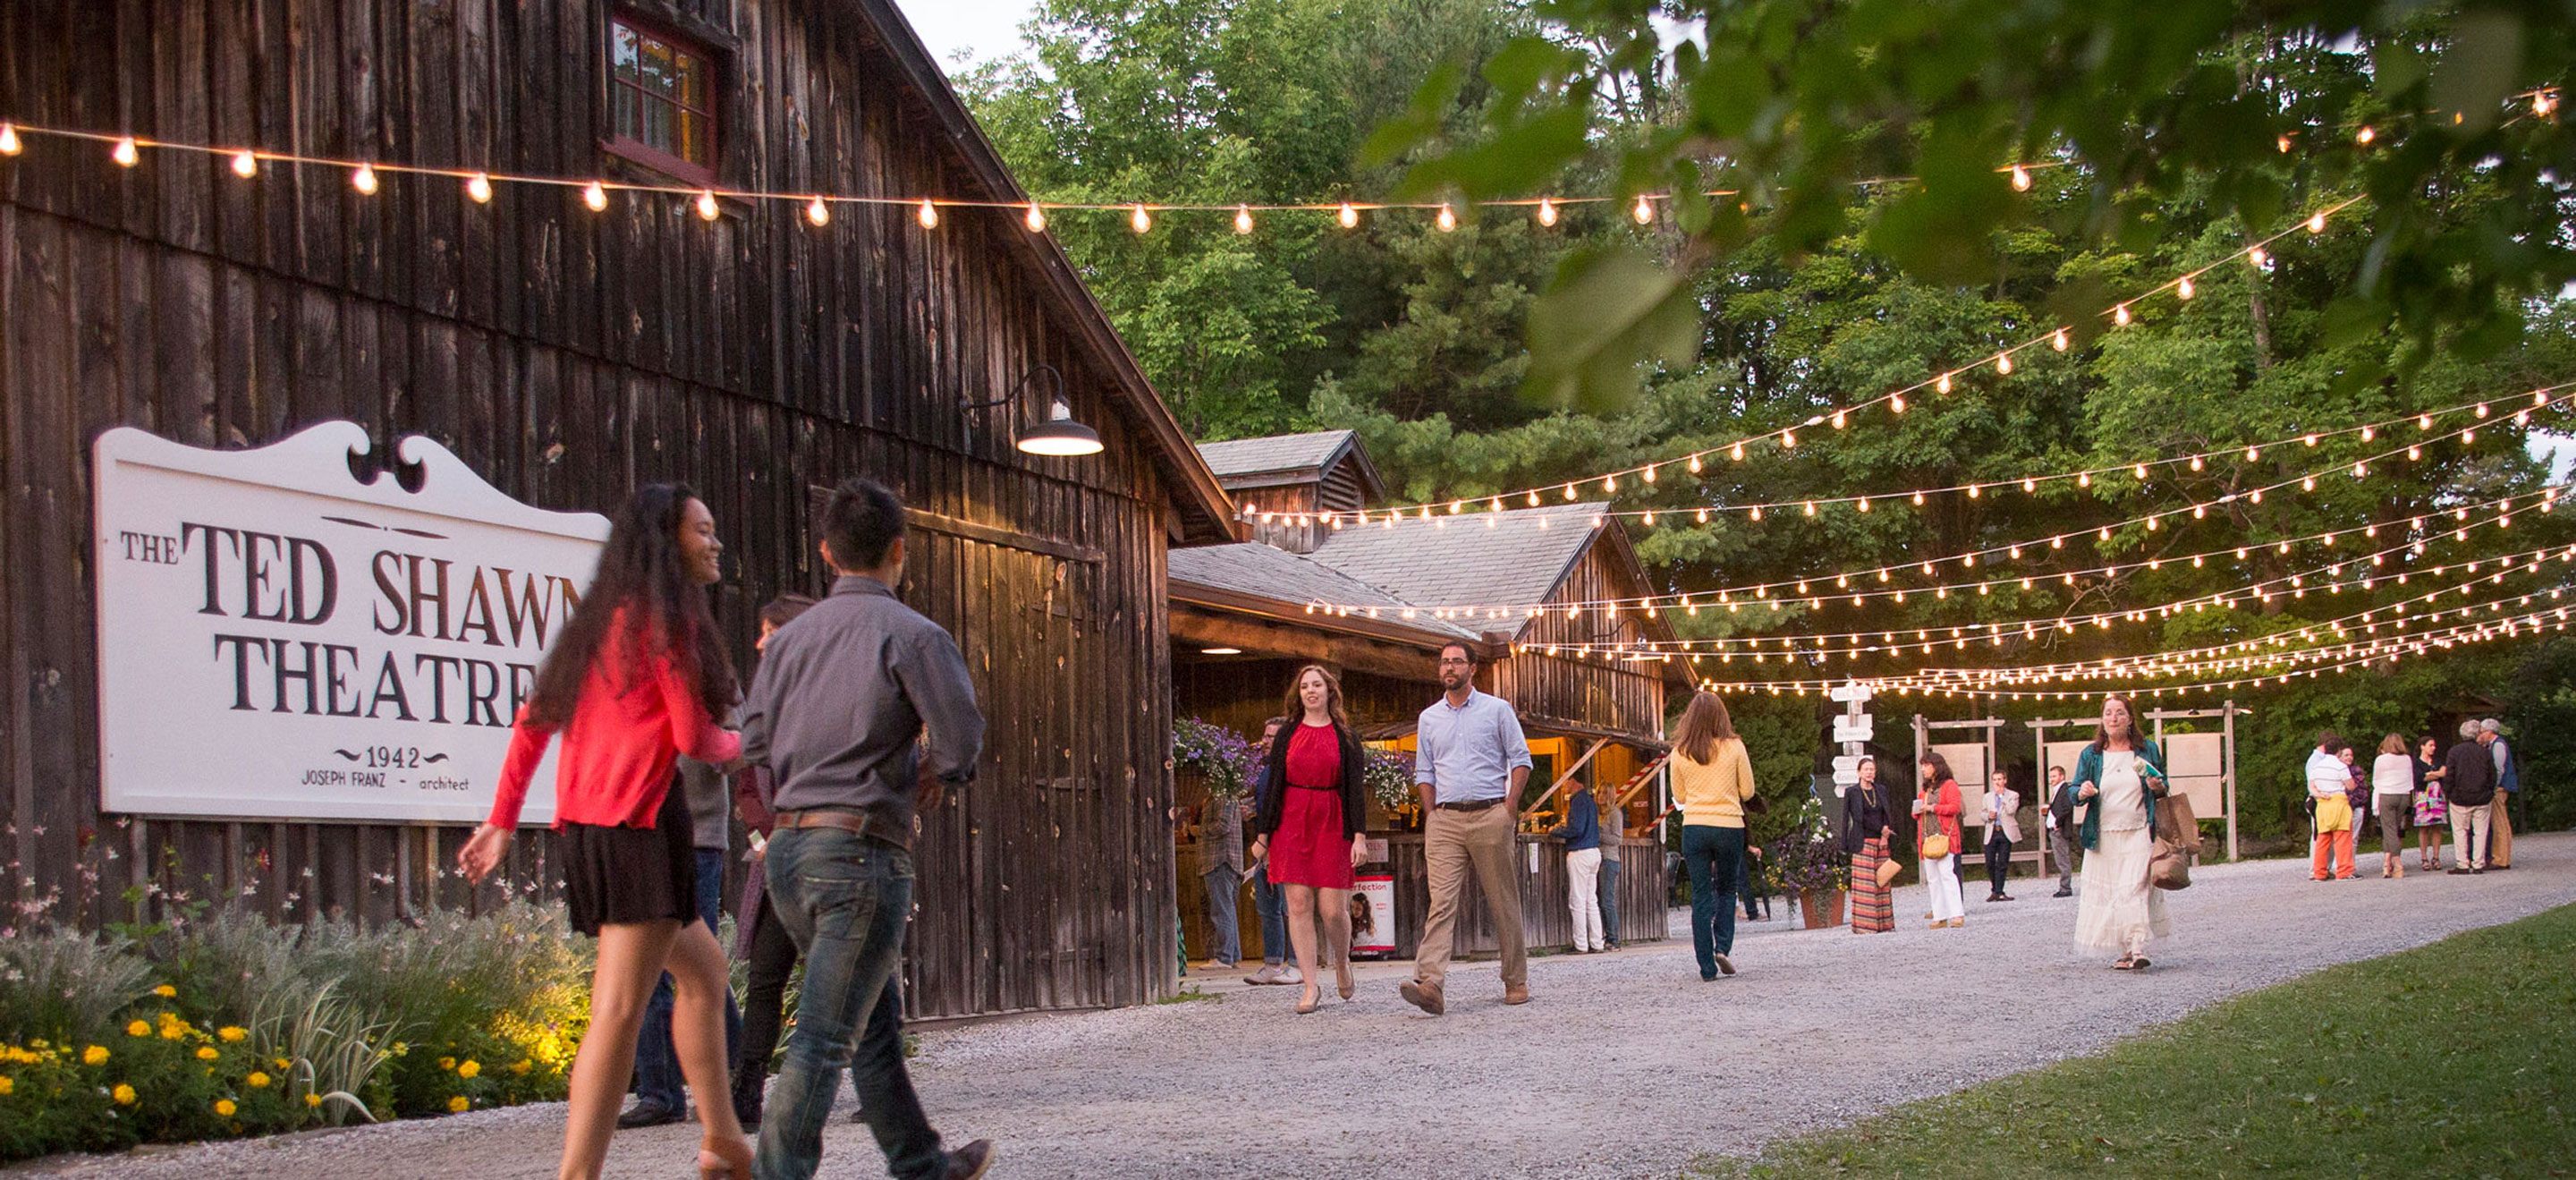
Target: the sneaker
(969, 1162)
(1290, 975)
(2063, 893)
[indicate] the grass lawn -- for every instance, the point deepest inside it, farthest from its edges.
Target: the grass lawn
(2455, 1059)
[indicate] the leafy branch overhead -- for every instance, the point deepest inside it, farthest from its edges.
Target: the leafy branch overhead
(1798, 108)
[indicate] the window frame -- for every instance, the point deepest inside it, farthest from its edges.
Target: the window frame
(717, 64)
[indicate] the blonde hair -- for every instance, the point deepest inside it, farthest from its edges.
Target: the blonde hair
(2392, 744)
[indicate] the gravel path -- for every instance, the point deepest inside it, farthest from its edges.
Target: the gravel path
(1819, 1029)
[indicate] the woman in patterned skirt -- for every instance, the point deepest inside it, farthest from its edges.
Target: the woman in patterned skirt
(2432, 814)
(1869, 831)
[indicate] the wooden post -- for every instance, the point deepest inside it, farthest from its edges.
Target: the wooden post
(1567, 777)
(2228, 783)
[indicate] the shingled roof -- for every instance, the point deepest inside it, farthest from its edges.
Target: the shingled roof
(1278, 452)
(1514, 556)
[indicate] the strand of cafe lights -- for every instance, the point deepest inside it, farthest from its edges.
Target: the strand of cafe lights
(1997, 632)
(2059, 339)
(367, 177)
(2293, 585)
(1805, 587)
(2259, 648)
(2550, 619)
(2543, 102)
(2360, 648)
(2086, 477)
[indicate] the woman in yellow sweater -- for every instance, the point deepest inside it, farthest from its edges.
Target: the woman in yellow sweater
(1712, 777)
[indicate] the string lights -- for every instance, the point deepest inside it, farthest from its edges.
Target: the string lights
(2139, 471)
(1931, 565)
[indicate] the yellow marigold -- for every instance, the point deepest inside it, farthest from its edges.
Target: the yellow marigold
(469, 1069)
(458, 1104)
(6, 1084)
(140, 1028)
(94, 1055)
(232, 1032)
(520, 1066)
(312, 1100)
(257, 1080)
(225, 1107)
(207, 1053)
(124, 1094)
(282, 1063)
(165, 991)
(173, 1032)
(446, 1063)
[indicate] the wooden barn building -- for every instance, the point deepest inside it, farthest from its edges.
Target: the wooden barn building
(1241, 626)
(567, 354)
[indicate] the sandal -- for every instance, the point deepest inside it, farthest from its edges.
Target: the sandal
(2126, 963)
(2140, 963)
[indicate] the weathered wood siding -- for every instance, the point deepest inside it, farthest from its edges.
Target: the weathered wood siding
(568, 355)
(1588, 693)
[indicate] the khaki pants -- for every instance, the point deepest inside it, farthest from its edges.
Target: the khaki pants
(1453, 842)
(2501, 853)
(2470, 827)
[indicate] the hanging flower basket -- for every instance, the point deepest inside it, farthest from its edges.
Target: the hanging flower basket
(1218, 755)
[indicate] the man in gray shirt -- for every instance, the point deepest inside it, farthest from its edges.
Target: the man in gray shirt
(1470, 762)
(842, 695)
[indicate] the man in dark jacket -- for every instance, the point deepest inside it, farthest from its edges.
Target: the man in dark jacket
(2470, 790)
(2061, 828)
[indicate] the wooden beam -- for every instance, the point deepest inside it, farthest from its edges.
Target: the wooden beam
(1287, 641)
(1568, 777)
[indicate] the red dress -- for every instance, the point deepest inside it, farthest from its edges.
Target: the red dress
(1309, 848)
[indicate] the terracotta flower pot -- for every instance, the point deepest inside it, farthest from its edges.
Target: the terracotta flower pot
(1821, 908)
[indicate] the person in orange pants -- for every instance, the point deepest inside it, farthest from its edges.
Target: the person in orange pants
(2329, 777)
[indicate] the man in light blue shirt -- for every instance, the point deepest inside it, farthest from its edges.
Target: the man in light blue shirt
(1470, 762)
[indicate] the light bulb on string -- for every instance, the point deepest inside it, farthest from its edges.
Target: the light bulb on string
(2059, 340)
(478, 189)
(2365, 136)
(1446, 219)
(1243, 219)
(2317, 222)
(2120, 315)
(1896, 403)
(1138, 219)
(1350, 216)
(2183, 288)
(363, 179)
(2020, 179)
(927, 214)
(9, 145)
(1736, 452)
(1643, 211)
(1546, 211)
(126, 152)
(818, 213)
(245, 164)
(595, 195)
(2482, 409)
(2003, 363)
(1942, 385)
(2256, 257)
(1035, 218)
(708, 210)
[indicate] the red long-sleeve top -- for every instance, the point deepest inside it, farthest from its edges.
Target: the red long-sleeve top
(634, 719)
(1945, 808)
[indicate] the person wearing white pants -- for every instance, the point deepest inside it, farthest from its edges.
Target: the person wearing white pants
(1937, 809)
(1582, 833)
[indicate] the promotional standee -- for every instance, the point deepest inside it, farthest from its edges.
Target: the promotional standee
(1374, 937)
(279, 639)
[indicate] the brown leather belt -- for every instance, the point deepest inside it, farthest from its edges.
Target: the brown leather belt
(1478, 805)
(856, 823)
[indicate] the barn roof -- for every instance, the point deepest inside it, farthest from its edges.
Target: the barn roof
(1291, 458)
(1207, 512)
(1256, 570)
(1514, 556)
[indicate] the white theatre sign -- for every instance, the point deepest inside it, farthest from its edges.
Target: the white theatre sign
(279, 640)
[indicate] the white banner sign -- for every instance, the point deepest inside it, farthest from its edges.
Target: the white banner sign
(1846, 770)
(1848, 693)
(278, 640)
(1853, 729)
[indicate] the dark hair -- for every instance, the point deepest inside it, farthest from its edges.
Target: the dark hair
(1704, 724)
(642, 592)
(1463, 649)
(861, 522)
(2326, 739)
(1332, 697)
(2102, 737)
(782, 610)
(2057, 770)
(1940, 769)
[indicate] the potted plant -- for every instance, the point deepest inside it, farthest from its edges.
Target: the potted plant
(1389, 778)
(1808, 862)
(1219, 756)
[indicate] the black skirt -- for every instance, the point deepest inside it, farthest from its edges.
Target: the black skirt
(622, 874)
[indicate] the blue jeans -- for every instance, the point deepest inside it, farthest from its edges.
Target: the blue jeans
(845, 901)
(1610, 900)
(1272, 901)
(657, 1063)
(1221, 883)
(1714, 856)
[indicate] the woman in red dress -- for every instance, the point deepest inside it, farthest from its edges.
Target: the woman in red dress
(1311, 830)
(637, 678)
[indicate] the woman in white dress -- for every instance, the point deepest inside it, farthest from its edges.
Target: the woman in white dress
(2120, 775)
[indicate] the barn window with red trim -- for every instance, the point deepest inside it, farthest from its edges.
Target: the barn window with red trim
(662, 100)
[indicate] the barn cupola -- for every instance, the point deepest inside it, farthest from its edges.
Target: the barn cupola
(1284, 483)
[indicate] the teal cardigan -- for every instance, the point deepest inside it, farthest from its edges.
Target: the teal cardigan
(2088, 769)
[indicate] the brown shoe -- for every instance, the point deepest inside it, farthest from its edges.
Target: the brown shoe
(1517, 993)
(1425, 996)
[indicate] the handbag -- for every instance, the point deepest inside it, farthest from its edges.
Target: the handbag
(1936, 844)
(1887, 871)
(2177, 840)
(1756, 805)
